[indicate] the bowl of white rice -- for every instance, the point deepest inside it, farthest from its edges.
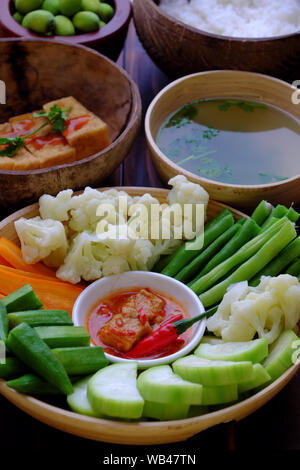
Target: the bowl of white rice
(188, 36)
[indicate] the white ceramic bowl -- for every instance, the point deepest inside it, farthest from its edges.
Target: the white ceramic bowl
(157, 282)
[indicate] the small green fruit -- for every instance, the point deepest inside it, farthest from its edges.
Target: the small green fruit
(102, 24)
(106, 12)
(39, 21)
(90, 5)
(64, 26)
(25, 6)
(18, 17)
(86, 21)
(69, 7)
(52, 6)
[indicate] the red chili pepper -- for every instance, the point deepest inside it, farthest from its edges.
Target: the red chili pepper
(157, 340)
(142, 316)
(168, 332)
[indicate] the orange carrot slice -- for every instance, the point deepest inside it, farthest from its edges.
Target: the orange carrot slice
(55, 294)
(12, 254)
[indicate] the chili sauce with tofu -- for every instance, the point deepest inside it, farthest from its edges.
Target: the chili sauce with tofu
(118, 322)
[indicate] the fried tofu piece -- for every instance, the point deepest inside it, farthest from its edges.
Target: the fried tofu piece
(27, 123)
(6, 163)
(86, 132)
(22, 161)
(51, 150)
(151, 304)
(25, 161)
(122, 333)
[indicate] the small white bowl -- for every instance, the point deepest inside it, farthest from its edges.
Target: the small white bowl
(158, 283)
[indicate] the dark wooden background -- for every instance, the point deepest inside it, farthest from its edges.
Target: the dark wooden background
(273, 427)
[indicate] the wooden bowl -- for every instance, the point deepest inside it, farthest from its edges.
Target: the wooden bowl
(141, 433)
(108, 40)
(38, 71)
(223, 84)
(179, 49)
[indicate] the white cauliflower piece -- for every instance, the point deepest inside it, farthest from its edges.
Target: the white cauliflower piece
(118, 239)
(186, 192)
(83, 259)
(84, 208)
(115, 265)
(56, 208)
(40, 237)
(142, 256)
(268, 309)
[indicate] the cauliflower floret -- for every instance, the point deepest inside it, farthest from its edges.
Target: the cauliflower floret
(118, 239)
(115, 265)
(40, 237)
(84, 208)
(82, 260)
(56, 208)
(186, 192)
(268, 309)
(142, 257)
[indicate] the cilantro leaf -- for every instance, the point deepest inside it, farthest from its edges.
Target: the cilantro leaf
(12, 146)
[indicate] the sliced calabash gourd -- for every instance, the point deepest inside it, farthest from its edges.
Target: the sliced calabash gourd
(254, 351)
(113, 391)
(211, 340)
(78, 400)
(260, 377)
(212, 373)
(280, 357)
(161, 385)
(220, 394)
(165, 411)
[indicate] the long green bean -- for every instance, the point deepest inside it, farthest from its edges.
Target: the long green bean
(188, 272)
(261, 212)
(249, 230)
(242, 255)
(278, 264)
(212, 230)
(251, 267)
(294, 269)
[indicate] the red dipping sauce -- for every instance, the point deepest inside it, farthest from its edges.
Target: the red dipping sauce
(121, 320)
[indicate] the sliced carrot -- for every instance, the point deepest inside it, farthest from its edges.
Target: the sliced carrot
(3, 262)
(12, 254)
(2, 296)
(28, 275)
(56, 295)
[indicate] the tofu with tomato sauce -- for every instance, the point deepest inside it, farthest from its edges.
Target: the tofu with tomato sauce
(23, 160)
(85, 131)
(122, 332)
(133, 321)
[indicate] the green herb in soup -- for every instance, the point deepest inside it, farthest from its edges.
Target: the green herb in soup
(233, 141)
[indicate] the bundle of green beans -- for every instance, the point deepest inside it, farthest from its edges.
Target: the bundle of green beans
(266, 244)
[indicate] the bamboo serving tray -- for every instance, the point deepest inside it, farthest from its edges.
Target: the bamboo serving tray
(131, 433)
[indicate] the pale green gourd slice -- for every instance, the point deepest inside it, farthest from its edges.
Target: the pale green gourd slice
(211, 340)
(161, 385)
(220, 394)
(165, 411)
(281, 351)
(212, 373)
(78, 400)
(113, 391)
(260, 377)
(254, 351)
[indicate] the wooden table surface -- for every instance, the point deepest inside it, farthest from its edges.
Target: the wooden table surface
(275, 426)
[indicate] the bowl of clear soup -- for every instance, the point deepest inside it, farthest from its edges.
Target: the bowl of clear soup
(236, 133)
